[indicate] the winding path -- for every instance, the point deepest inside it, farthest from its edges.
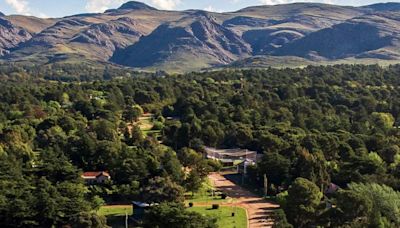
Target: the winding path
(258, 209)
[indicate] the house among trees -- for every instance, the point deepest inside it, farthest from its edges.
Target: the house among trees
(231, 157)
(96, 177)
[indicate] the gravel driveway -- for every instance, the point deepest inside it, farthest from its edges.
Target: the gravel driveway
(258, 209)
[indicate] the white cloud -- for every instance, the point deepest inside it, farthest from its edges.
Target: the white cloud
(166, 4)
(20, 6)
(99, 6)
(210, 8)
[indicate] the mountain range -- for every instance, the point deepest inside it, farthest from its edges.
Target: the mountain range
(142, 37)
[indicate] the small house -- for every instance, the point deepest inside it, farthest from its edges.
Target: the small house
(99, 177)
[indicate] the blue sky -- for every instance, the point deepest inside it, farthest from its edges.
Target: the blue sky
(58, 8)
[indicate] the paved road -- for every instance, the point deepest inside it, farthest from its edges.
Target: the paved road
(258, 209)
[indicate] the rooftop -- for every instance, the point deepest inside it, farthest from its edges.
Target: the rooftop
(95, 174)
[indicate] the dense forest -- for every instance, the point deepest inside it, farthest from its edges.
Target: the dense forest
(316, 126)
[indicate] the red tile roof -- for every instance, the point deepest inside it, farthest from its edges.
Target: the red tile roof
(95, 174)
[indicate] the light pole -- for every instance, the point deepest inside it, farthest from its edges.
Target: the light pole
(126, 218)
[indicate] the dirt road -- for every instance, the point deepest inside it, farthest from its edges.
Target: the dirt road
(257, 208)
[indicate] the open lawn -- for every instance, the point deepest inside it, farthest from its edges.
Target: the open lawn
(118, 210)
(146, 124)
(116, 214)
(204, 199)
(205, 195)
(224, 216)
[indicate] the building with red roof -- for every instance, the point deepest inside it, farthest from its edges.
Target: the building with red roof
(98, 177)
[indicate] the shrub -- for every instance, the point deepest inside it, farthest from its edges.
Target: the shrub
(280, 220)
(175, 215)
(281, 198)
(216, 166)
(158, 126)
(161, 119)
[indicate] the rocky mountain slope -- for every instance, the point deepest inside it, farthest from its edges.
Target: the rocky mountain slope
(11, 35)
(141, 36)
(368, 36)
(197, 37)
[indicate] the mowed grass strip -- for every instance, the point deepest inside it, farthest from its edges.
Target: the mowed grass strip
(204, 194)
(197, 198)
(117, 210)
(224, 216)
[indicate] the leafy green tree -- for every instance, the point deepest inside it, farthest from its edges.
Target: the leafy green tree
(352, 209)
(161, 189)
(17, 202)
(193, 182)
(280, 220)
(189, 157)
(56, 167)
(172, 166)
(243, 135)
(88, 220)
(272, 143)
(313, 167)
(47, 206)
(105, 130)
(385, 203)
(303, 200)
(132, 113)
(175, 215)
(389, 154)
(134, 136)
(383, 120)
(34, 201)
(276, 167)
(104, 158)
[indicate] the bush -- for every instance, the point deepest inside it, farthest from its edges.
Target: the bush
(175, 215)
(215, 206)
(280, 220)
(161, 119)
(281, 198)
(158, 126)
(191, 204)
(216, 166)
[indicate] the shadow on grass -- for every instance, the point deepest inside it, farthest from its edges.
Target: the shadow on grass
(116, 221)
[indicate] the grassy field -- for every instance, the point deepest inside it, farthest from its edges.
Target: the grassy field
(204, 195)
(115, 210)
(146, 124)
(204, 199)
(116, 214)
(224, 216)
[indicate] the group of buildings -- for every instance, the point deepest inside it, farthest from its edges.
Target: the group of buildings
(235, 158)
